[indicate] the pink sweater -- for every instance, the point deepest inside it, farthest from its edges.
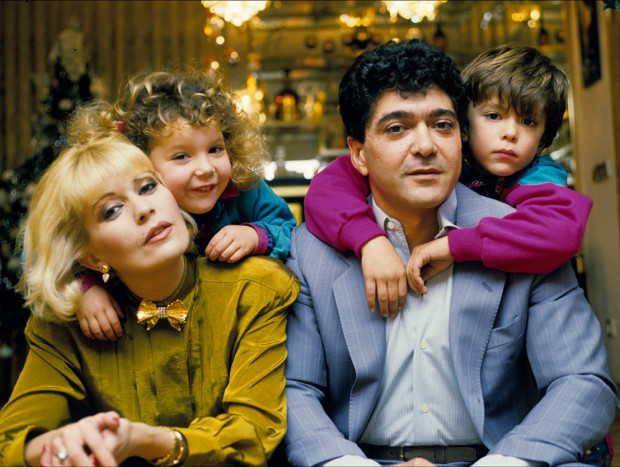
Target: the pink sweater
(545, 231)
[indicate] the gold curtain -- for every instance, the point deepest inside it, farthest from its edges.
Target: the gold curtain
(121, 38)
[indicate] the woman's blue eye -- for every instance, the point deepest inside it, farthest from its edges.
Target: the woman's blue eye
(111, 211)
(148, 187)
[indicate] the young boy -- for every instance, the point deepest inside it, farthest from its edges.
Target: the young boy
(517, 102)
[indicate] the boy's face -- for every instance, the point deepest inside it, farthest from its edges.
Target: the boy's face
(411, 152)
(194, 164)
(502, 142)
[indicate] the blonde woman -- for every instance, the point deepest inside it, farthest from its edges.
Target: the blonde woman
(197, 377)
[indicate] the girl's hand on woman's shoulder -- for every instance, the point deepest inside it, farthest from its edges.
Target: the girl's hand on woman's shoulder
(231, 243)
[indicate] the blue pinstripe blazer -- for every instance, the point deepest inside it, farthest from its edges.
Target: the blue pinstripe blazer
(527, 350)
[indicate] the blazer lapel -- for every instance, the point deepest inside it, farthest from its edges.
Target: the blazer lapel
(476, 295)
(364, 333)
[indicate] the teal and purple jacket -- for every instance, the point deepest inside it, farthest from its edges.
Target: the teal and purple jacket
(258, 207)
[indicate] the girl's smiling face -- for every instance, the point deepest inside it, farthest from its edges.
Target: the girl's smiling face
(194, 164)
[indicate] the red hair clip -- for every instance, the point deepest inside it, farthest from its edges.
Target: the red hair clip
(119, 126)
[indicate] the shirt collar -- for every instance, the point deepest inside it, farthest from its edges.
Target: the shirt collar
(182, 291)
(446, 215)
(229, 192)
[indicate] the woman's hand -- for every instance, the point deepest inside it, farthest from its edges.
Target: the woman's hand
(231, 243)
(102, 439)
(85, 442)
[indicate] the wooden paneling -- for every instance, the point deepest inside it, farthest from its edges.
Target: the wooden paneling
(124, 37)
(121, 39)
(8, 84)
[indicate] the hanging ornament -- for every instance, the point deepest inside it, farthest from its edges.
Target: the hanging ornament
(237, 12)
(232, 55)
(214, 25)
(413, 11)
(254, 62)
(543, 34)
(360, 39)
(311, 42)
(439, 39)
(329, 46)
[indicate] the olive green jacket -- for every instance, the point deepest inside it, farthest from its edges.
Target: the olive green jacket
(219, 381)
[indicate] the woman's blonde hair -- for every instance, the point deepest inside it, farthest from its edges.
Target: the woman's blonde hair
(54, 235)
(151, 103)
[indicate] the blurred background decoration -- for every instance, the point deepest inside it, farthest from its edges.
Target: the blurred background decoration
(237, 12)
(414, 11)
(284, 59)
(68, 83)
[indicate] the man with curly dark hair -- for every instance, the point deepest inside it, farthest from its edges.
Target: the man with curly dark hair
(481, 369)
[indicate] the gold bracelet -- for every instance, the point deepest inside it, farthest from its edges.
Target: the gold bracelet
(176, 454)
(180, 458)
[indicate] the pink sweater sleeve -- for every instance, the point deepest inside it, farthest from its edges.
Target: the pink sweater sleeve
(545, 231)
(336, 210)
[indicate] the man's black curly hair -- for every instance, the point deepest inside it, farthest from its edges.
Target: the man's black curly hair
(405, 67)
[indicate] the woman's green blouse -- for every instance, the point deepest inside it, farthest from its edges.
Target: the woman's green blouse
(219, 381)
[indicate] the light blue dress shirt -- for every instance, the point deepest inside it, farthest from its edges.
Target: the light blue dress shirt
(419, 401)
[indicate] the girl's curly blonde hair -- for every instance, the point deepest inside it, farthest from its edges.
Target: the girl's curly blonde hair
(150, 104)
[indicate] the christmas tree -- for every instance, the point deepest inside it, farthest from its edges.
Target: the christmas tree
(59, 92)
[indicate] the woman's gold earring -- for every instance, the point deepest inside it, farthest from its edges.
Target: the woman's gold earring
(105, 270)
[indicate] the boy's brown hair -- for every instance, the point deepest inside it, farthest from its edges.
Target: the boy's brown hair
(523, 79)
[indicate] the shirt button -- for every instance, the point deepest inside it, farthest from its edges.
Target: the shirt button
(425, 408)
(423, 345)
(391, 225)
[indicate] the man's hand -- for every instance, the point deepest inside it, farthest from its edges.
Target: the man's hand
(384, 274)
(98, 315)
(417, 461)
(231, 243)
(427, 260)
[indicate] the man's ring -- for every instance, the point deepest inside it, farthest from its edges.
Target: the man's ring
(62, 454)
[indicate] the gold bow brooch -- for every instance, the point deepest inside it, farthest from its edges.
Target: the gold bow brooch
(149, 314)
